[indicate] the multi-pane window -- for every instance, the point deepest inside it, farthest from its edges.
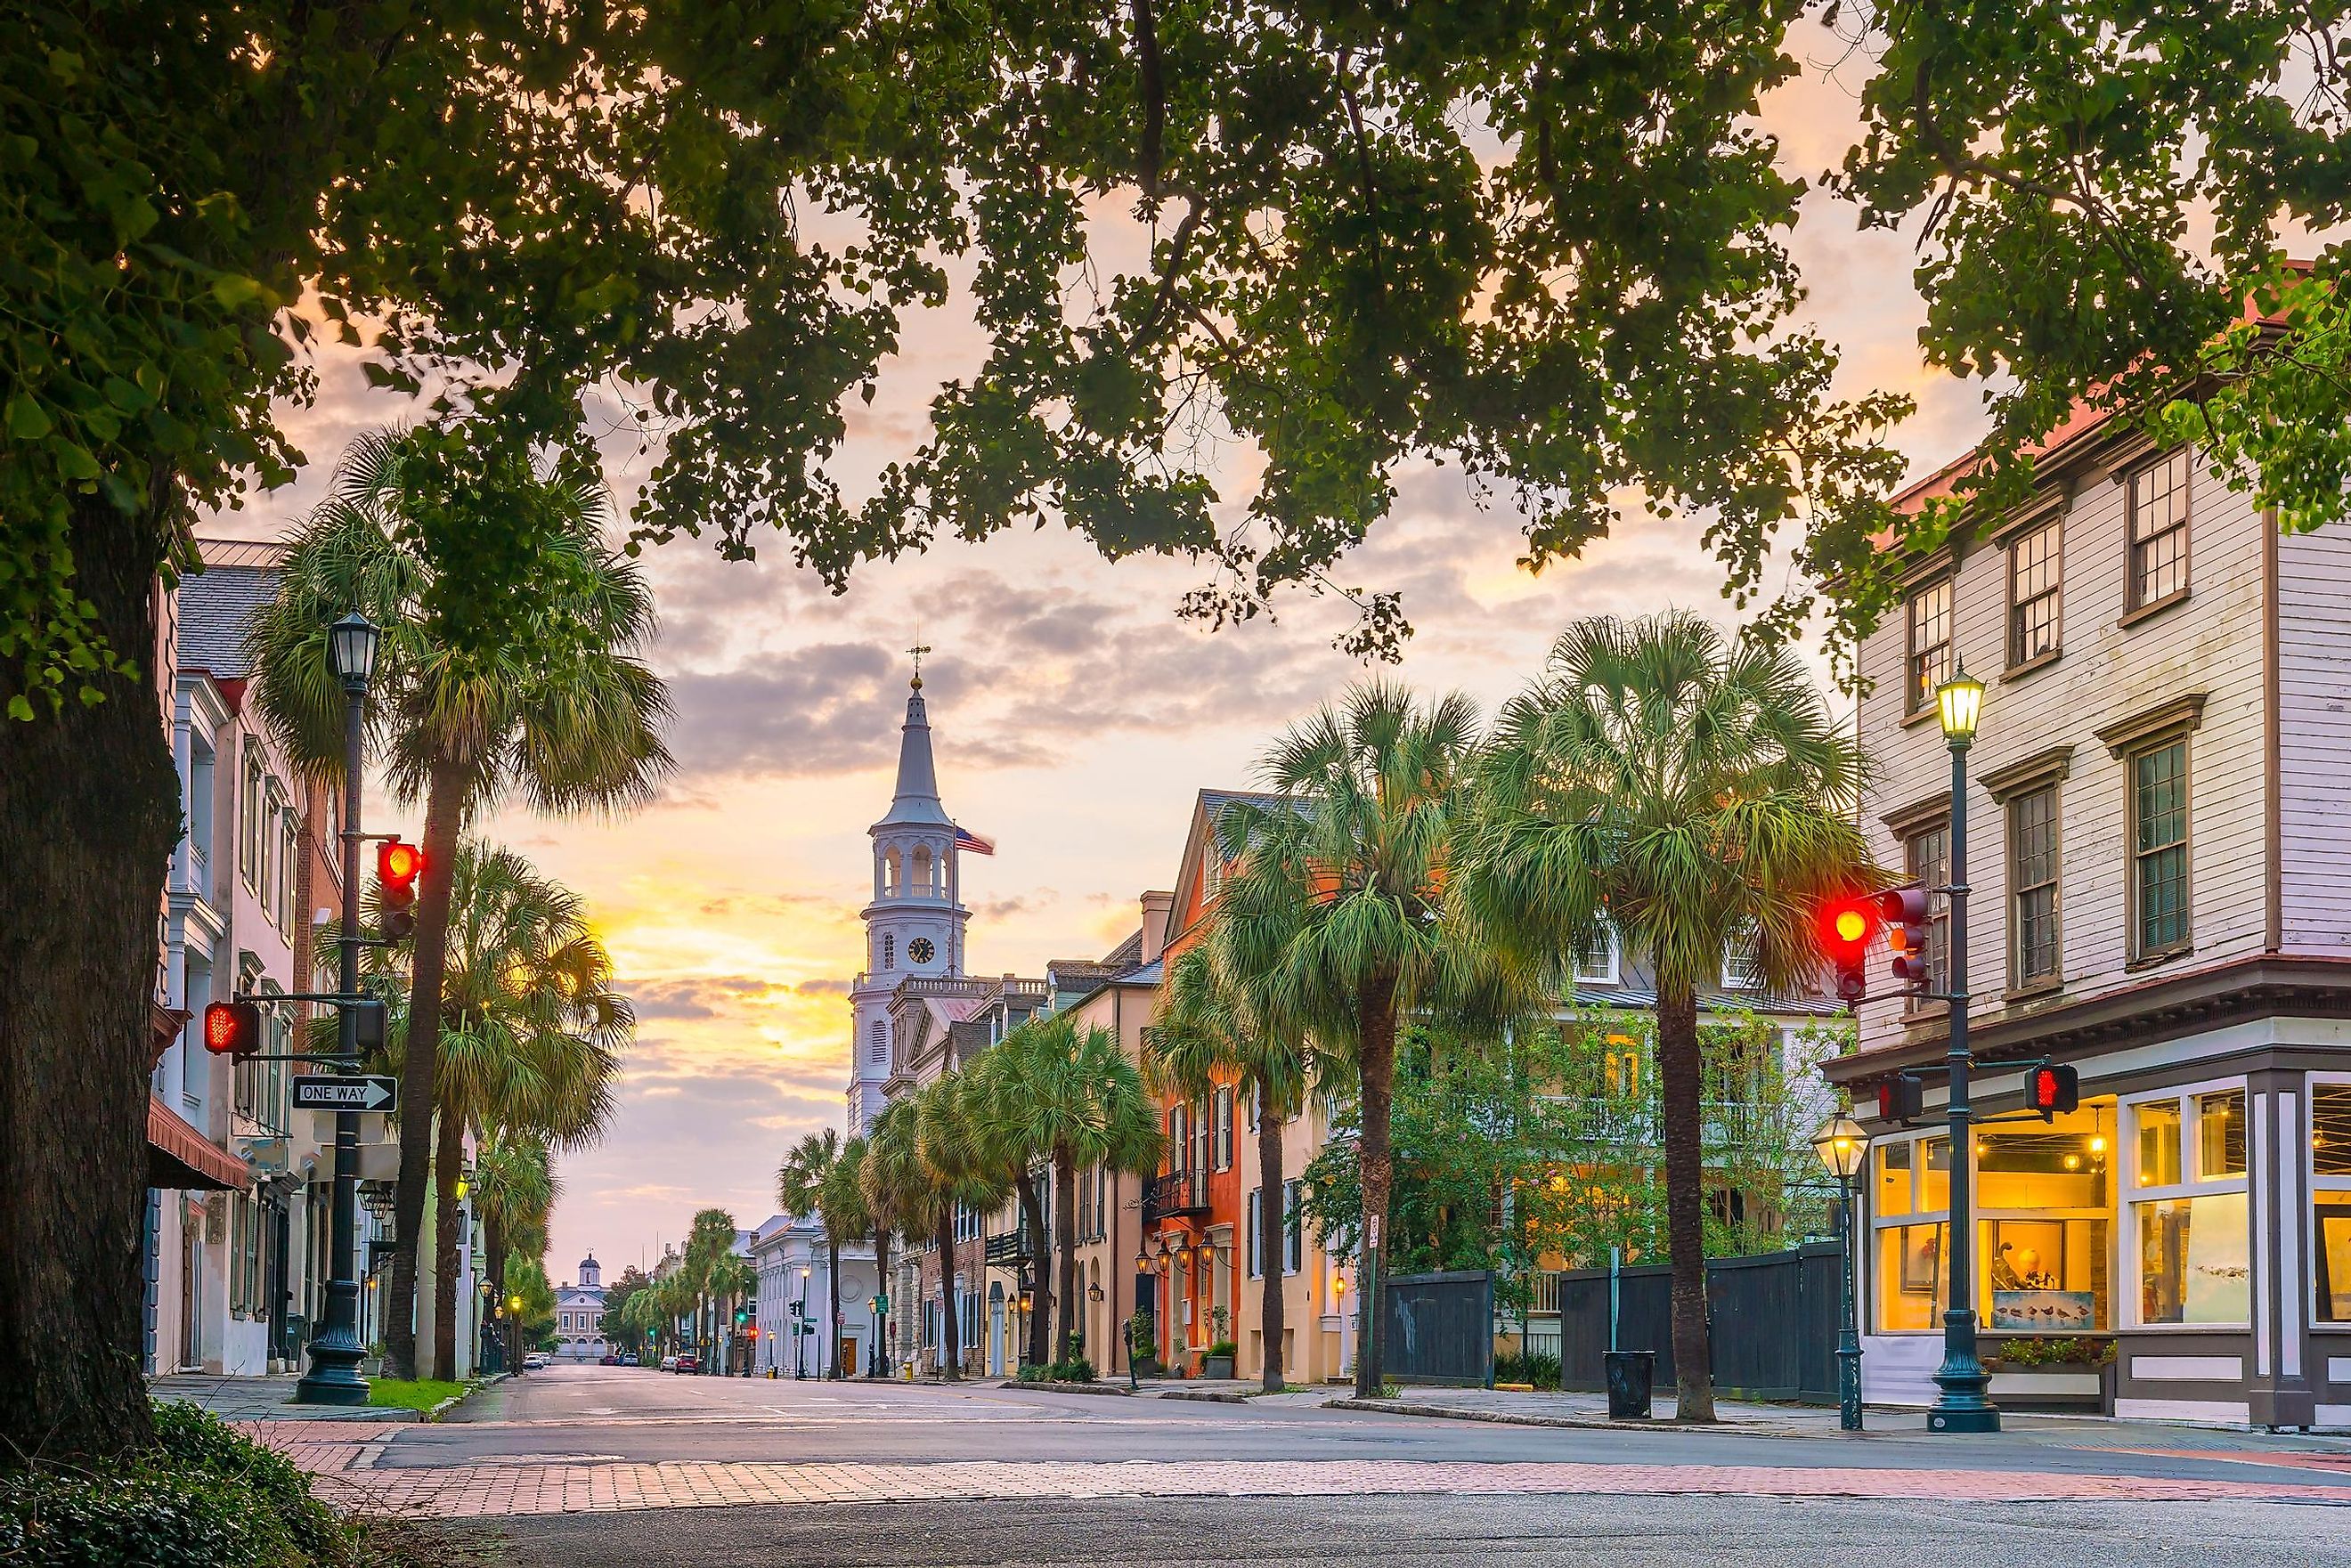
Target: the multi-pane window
(2330, 1181)
(2188, 1204)
(248, 821)
(2036, 576)
(2158, 785)
(889, 951)
(2158, 530)
(1930, 644)
(1293, 1245)
(1225, 1127)
(1595, 957)
(1254, 1214)
(1926, 857)
(2033, 887)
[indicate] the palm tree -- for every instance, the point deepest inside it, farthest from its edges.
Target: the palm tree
(709, 1245)
(1073, 1095)
(819, 1176)
(1695, 796)
(1000, 1137)
(515, 1190)
(518, 678)
(1207, 1027)
(959, 1183)
(897, 1189)
(1334, 911)
(530, 1040)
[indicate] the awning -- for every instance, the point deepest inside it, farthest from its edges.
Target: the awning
(180, 1158)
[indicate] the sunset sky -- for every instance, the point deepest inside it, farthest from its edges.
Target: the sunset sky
(1075, 716)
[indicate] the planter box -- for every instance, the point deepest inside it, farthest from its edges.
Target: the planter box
(1214, 1366)
(2060, 1385)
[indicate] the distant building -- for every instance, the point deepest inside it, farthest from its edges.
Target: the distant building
(580, 1315)
(789, 1255)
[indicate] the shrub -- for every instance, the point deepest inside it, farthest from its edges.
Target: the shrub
(1223, 1347)
(1537, 1370)
(1076, 1369)
(202, 1497)
(2085, 1350)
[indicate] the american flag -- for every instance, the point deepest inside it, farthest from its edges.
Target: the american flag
(967, 839)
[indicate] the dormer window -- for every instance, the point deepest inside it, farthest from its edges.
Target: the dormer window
(1595, 957)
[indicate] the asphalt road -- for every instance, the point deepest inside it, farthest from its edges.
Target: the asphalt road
(592, 1414)
(1443, 1532)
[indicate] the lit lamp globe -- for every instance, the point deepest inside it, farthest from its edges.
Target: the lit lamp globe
(1958, 702)
(1840, 1144)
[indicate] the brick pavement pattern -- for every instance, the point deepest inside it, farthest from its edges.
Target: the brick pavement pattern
(344, 1459)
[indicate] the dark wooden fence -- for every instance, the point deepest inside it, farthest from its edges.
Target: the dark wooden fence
(1773, 1317)
(1439, 1328)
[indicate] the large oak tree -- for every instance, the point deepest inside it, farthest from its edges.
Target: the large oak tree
(1541, 241)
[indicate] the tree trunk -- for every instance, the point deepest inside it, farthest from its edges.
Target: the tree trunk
(88, 813)
(950, 1330)
(833, 1302)
(877, 1359)
(1679, 1073)
(1272, 1237)
(442, 810)
(449, 1157)
(1032, 1218)
(1377, 1072)
(1065, 1251)
(494, 1243)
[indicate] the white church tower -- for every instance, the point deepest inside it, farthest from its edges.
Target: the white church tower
(915, 924)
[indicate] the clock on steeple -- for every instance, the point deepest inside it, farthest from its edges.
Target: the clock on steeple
(921, 951)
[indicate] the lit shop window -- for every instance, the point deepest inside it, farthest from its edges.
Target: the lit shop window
(2330, 1181)
(2191, 1249)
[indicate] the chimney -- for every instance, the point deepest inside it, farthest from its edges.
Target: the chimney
(1156, 909)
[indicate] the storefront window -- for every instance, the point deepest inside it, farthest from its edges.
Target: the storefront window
(2190, 1240)
(2047, 1207)
(1911, 1263)
(1934, 1174)
(1893, 1179)
(2331, 1256)
(2330, 1129)
(2158, 1142)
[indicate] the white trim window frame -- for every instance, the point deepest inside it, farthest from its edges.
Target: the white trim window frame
(2319, 1185)
(2190, 1185)
(1610, 972)
(1871, 1274)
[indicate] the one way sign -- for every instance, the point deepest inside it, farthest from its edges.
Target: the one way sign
(318, 1092)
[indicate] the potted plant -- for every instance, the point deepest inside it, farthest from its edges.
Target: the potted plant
(2057, 1372)
(1142, 1344)
(1217, 1361)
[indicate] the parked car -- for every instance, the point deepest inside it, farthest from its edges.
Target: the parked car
(535, 1361)
(689, 1363)
(669, 1363)
(609, 1361)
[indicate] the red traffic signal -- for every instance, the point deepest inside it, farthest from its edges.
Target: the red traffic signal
(1847, 927)
(232, 1028)
(397, 867)
(1901, 1098)
(2052, 1089)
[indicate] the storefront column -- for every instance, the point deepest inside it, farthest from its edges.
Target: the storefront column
(2281, 1392)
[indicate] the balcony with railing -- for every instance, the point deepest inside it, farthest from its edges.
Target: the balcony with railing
(1633, 1123)
(1013, 1249)
(1175, 1195)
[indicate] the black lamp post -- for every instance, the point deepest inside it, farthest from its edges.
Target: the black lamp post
(333, 1377)
(1842, 1145)
(1962, 1404)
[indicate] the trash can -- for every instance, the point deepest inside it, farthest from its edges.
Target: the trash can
(1631, 1374)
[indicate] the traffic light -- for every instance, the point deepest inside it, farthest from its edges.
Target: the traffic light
(1847, 927)
(1905, 913)
(2052, 1089)
(397, 867)
(232, 1028)
(1901, 1098)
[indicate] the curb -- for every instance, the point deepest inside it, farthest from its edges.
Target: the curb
(1580, 1422)
(1117, 1388)
(1205, 1395)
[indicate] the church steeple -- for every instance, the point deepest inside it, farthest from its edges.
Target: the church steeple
(917, 798)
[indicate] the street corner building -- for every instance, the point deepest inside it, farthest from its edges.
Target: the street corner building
(2159, 895)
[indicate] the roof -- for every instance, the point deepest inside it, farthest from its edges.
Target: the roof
(216, 606)
(916, 802)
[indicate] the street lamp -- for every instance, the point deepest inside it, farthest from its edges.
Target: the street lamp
(1963, 1404)
(333, 1377)
(1842, 1146)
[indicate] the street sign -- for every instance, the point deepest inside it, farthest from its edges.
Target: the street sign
(319, 1092)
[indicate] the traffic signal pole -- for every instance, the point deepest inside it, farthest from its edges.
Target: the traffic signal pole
(1963, 1404)
(333, 1377)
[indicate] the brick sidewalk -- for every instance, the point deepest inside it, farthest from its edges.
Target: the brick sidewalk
(344, 1459)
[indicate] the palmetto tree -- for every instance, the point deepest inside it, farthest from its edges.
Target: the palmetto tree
(517, 677)
(709, 1248)
(820, 1176)
(1335, 914)
(1208, 1026)
(1072, 1094)
(515, 1190)
(1695, 796)
(960, 1182)
(1000, 1138)
(898, 1189)
(530, 1040)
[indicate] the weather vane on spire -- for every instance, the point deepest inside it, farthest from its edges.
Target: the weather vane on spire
(918, 650)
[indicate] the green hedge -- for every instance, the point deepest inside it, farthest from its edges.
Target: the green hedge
(1540, 1370)
(202, 1497)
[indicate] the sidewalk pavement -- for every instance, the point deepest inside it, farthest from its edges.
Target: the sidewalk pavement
(1591, 1411)
(267, 1399)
